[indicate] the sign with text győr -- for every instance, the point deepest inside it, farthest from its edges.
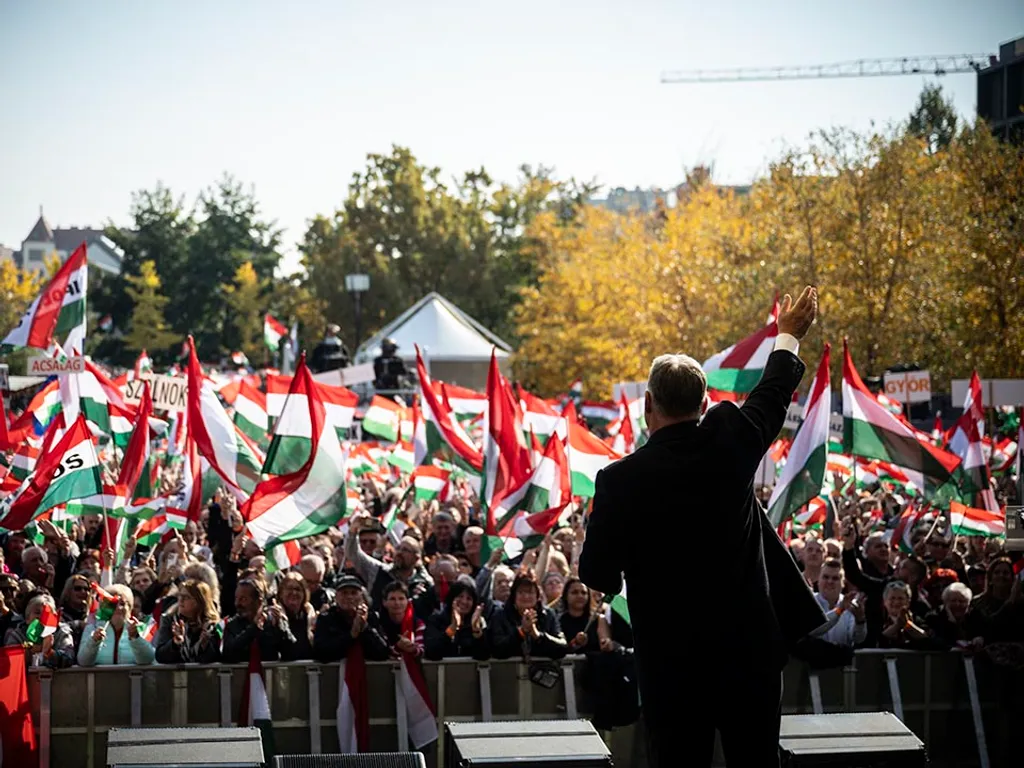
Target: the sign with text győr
(55, 366)
(169, 393)
(909, 387)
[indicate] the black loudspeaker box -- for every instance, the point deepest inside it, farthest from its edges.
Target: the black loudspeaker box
(367, 760)
(525, 744)
(857, 740)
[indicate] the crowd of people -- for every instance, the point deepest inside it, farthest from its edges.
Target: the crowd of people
(205, 595)
(942, 592)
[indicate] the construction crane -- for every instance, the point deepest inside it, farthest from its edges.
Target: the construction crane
(953, 64)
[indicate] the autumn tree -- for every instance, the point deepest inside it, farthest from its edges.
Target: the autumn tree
(595, 312)
(244, 297)
(148, 328)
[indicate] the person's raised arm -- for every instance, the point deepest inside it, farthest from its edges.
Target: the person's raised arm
(366, 566)
(765, 407)
(601, 561)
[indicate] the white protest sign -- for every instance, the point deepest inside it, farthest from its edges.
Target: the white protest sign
(909, 387)
(794, 415)
(55, 366)
(347, 377)
(169, 393)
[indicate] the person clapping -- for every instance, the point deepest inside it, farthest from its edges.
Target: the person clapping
(117, 641)
(255, 622)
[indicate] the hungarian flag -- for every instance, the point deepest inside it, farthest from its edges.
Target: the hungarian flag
(737, 369)
(136, 455)
(429, 482)
(966, 442)
(71, 321)
(255, 705)
(530, 529)
(620, 606)
(44, 626)
(419, 709)
(812, 515)
(353, 713)
(273, 332)
(871, 431)
(70, 470)
(103, 603)
(143, 364)
(506, 456)
(310, 500)
(902, 536)
(401, 458)
(383, 418)
(441, 428)
(251, 411)
(967, 521)
(625, 436)
(339, 402)
(804, 472)
(587, 455)
(466, 404)
(39, 323)
(17, 735)
(539, 416)
(215, 434)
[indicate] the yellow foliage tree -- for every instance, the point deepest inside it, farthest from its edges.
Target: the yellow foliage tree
(148, 328)
(18, 287)
(245, 302)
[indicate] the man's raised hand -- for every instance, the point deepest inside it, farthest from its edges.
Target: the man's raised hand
(796, 319)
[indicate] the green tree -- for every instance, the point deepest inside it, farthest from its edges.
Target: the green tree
(230, 231)
(159, 232)
(413, 233)
(934, 119)
(148, 328)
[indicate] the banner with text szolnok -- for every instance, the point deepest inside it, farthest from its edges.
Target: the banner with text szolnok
(169, 393)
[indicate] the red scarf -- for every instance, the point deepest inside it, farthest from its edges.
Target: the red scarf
(412, 664)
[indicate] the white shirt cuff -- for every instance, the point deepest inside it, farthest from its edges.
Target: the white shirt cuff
(788, 342)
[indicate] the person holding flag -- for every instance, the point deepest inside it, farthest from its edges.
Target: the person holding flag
(45, 637)
(112, 635)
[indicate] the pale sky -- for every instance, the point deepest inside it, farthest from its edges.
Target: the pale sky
(101, 98)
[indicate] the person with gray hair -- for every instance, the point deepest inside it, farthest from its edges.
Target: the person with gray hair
(697, 468)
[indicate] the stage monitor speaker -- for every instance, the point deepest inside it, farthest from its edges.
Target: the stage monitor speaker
(184, 747)
(525, 744)
(366, 760)
(858, 740)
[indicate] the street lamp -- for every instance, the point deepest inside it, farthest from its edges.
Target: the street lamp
(357, 285)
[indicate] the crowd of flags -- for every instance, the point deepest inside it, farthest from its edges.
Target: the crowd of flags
(282, 444)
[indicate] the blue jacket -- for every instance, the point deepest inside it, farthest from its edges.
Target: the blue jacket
(129, 652)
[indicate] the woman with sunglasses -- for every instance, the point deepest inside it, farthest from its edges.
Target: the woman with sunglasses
(74, 604)
(117, 641)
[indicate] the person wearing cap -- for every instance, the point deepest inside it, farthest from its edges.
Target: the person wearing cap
(349, 622)
(331, 353)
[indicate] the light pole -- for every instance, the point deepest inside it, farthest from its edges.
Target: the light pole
(357, 284)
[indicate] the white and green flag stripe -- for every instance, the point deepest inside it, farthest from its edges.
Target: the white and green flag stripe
(804, 472)
(587, 455)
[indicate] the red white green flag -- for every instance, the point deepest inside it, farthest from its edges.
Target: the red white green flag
(737, 369)
(871, 431)
(383, 418)
(442, 429)
(804, 472)
(310, 500)
(37, 326)
(68, 471)
(273, 332)
(967, 521)
(587, 456)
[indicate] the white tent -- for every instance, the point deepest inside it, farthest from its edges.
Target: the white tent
(456, 347)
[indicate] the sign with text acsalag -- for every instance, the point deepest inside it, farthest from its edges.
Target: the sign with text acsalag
(55, 366)
(909, 387)
(169, 393)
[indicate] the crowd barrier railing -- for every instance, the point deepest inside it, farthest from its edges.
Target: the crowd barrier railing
(938, 695)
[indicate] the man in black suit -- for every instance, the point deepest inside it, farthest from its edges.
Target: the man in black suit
(714, 658)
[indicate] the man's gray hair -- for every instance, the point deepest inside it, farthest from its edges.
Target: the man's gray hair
(677, 385)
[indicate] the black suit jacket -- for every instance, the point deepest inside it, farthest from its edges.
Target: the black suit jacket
(716, 586)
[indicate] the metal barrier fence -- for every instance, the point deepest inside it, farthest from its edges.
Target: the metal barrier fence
(945, 698)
